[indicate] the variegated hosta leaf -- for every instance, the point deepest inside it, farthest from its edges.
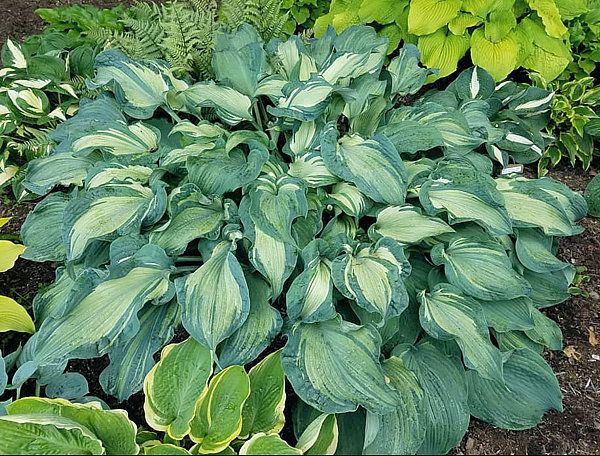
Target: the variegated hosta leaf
(310, 296)
(219, 171)
(218, 416)
(116, 173)
(263, 411)
(275, 204)
(355, 160)
(320, 437)
(43, 174)
(53, 301)
(407, 225)
(111, 427)
(465, 194)
(529, 390)
(80, 332)
(442, 379)
(511, 315)
(33, 434)
(473, 83)
(13, 55)
(30, 103)
(534, 251)
(373, 277)
(120, 140)
(268, 444)
(174, 385)
(349, 199)
(258, 331)
(311, 168)
(303, 101)
(550, 288)
(139, 86)
(403, 430)
(230, 105)
(191, 216)
(131, 361)
(447, 314)
(408, 77)
(481, 269)
(106, 212)
(214, 299)
(42, 230)
(334, 367)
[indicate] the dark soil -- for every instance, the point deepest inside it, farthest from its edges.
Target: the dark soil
(575, 431)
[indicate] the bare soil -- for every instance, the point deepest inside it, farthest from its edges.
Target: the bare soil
(575, 431)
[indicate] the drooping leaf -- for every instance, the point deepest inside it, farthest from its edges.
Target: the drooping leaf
(14, 317)
(320, 437)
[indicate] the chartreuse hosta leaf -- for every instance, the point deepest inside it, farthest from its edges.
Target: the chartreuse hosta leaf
(263, 411)
(112, 427)
(373, 277)
(447, 314)
(10, 253)
(310, 296)
(174, 385)
(166, 449)
(267, 444)
(320, 437)
(407, 225)
(218, 417)
(131, 361)
(334, 367)
(108, 211)
(81, 332)
(481, 269)
(353, 159)
(257, 332)
(14, 317)
(191, 216)
(442, 378)
(427, 16)
(42, 434)
(215, 301)
(529, 390)
(403, 430)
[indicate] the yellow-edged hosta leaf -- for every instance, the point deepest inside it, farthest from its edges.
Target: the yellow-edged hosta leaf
(268, 444)
(14, 317)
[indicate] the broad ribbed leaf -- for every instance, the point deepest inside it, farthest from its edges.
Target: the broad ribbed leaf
(218, 416)
(174, 385)
(64, 169)
(42, 230)
(442, 50)
(592, 196)
(534, 251)
(112, 427)
(512, 315)
(550, 288)
(529, 390)
(426, 16)
(214, 299)
(334, 366)
(447, 314)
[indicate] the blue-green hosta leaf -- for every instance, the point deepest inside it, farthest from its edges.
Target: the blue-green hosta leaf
(229, 104)
(545, 331)
(42, 230)
(410, 136)
(442, 378)
(139, 86)
(33, 434)
(311, 168)
(303, 101)
(534, 251)
(334, 367)
(214, 299)
(43, 174)
(267, 444)
(310, 296)
(354, 159)
(131, 361)
(447, 314)
(119, 139)
(407, 225)
(263, 411)
(481, 269)
(320, 437)
(275, 204)
(523, 145)
(105, 212)
(465, 194)
(592, 196)
(69, 386)
(511, 315)
(373, 277)
(529, 390)
(191, 216)
(111, 427)
(530, 205)
(515, 340)
(258, 331)
(80, 332)
(53, 300)
(403, 431)
(174, 385)
(473, 83)
(408, 77)
(550, 288)
(217, 171)
(218, 416)
(116, 173)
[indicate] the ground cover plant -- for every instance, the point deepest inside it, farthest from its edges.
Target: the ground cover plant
(299, 194)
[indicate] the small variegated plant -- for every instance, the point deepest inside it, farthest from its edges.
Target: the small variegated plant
(299, 194)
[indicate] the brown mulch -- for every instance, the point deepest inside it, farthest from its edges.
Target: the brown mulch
(575, 431)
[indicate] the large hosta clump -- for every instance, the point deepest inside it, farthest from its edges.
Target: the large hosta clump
(298, 193)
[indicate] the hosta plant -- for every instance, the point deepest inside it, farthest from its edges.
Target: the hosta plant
(297, 194)
(500, 35)
(232, 412)
(302, 14)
